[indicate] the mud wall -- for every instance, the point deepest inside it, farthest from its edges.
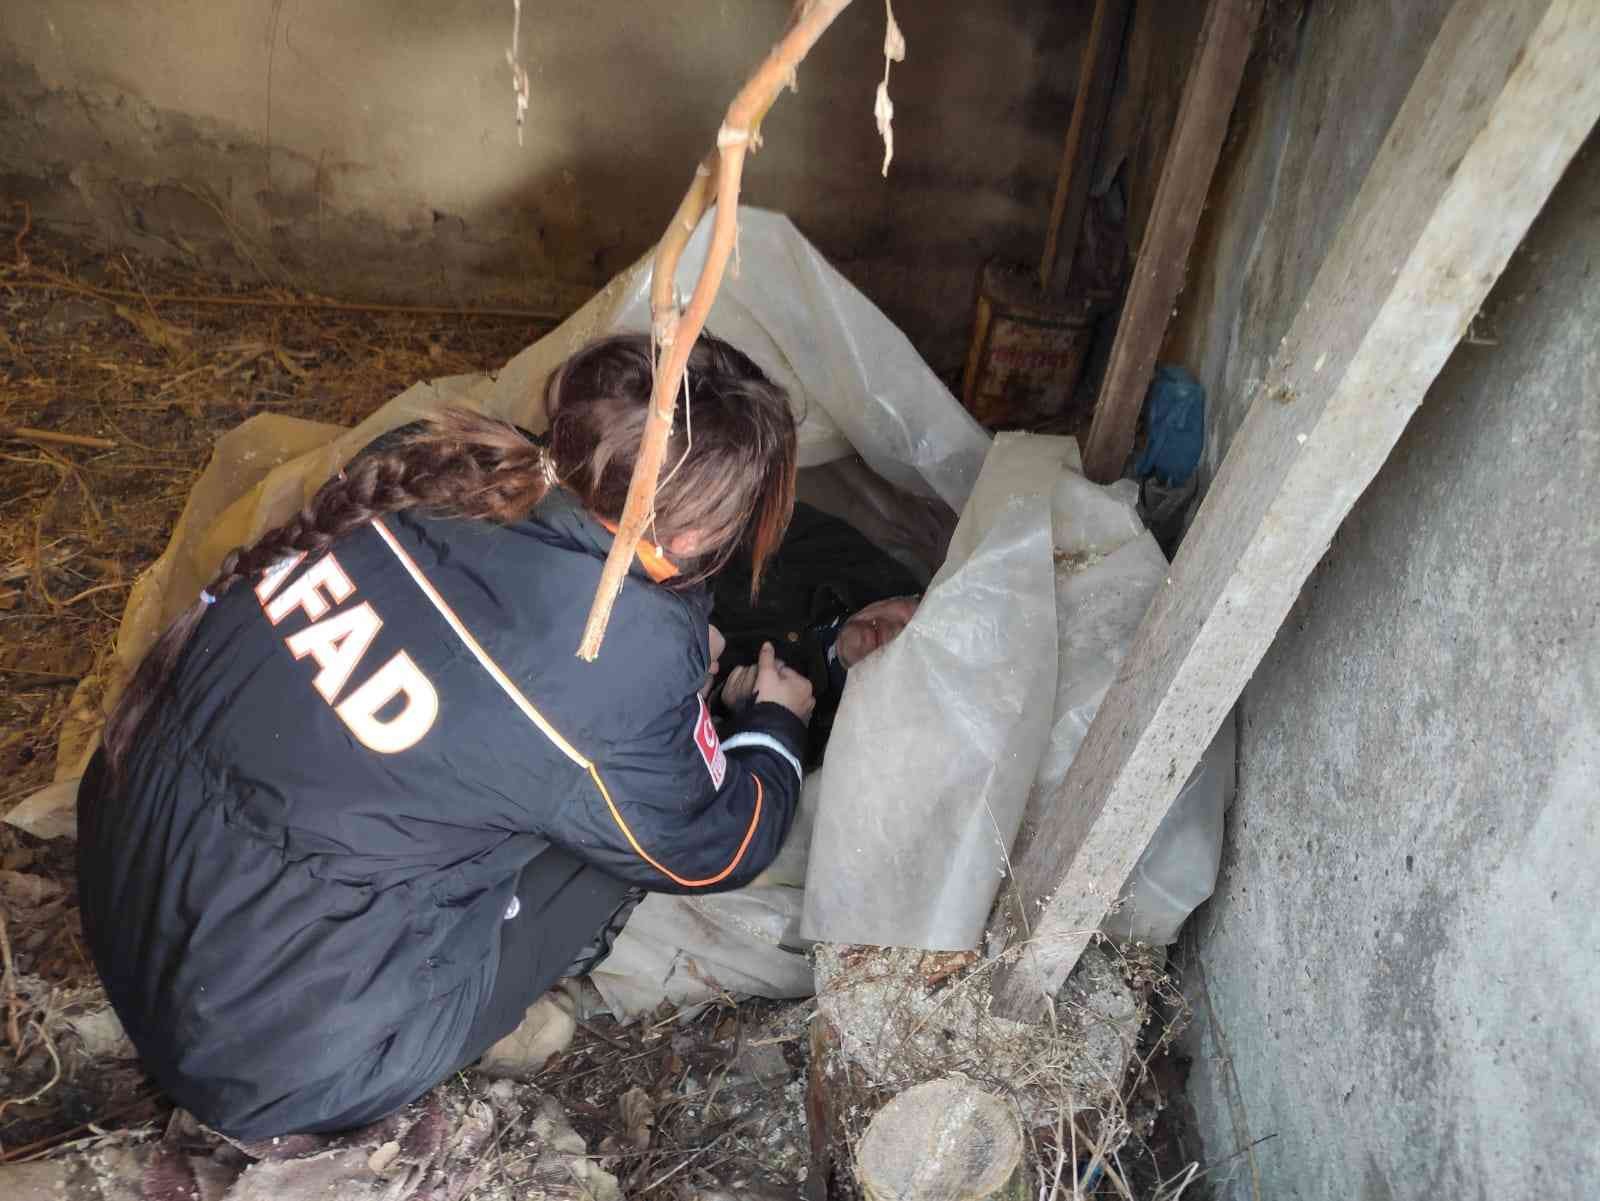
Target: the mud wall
(369, 147)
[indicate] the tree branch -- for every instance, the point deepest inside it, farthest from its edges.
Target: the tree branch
(675, 334)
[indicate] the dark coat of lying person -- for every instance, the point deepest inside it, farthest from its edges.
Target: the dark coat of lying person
(830, 598)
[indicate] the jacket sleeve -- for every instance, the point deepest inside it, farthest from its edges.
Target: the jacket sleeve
(678, 810)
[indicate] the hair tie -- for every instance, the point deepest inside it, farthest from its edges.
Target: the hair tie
(206, 598)
(547, 467)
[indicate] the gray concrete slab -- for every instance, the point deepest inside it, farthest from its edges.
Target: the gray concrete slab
(1403, 957)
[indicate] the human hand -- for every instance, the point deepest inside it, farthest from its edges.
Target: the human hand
(873, 627)
(718, 645)
(782, 685)
(739, 689)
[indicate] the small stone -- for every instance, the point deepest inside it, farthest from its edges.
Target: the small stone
(380, 1160)
(546, 1029)
(101, 1035)
(763, 1064)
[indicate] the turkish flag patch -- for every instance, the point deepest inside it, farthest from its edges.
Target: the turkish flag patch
(710, 746)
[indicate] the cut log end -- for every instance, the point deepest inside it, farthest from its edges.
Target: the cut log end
(945, 1140)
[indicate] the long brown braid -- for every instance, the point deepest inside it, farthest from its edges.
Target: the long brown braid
(735, 483)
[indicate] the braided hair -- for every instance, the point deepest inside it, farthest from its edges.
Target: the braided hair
(733, 484)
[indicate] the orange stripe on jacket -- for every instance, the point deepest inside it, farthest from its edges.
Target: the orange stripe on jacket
(616, 815)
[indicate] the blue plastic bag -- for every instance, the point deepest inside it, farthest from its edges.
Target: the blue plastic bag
(1175, 416)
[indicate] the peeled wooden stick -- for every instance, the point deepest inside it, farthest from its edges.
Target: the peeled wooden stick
(21, 433)
(675, 334)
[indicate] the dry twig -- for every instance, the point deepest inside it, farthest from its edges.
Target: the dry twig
(9, 977)
(22, 433)
(519, 73)
(894, 51)
(22, 234)
(715, 179)
(40, 1148)
(55, 1077)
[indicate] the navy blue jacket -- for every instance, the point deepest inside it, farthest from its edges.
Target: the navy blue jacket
(294, 893)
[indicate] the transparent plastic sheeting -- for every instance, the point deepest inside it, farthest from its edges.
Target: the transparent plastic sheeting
(856, 382)
(1178, 870)
(1108, 570)
(943, 745)
(939, 734)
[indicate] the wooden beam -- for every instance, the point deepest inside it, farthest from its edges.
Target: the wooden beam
(1503, 100)
(1203, 113)
(1097, 72)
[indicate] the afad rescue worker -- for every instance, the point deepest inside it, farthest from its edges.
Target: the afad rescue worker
(361, 804)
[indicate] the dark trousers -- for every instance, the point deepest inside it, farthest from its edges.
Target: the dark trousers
(568, 915)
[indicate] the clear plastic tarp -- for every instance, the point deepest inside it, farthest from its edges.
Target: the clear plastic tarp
(939, 733)
(965, 726)
(690, 949)
(1108, 570)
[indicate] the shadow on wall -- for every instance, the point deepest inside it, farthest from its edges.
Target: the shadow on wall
(370, 148)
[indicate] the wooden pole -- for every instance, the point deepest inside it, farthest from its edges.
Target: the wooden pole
(1208, 97)
(1097, 72)
(717, 177)
(1502, 102)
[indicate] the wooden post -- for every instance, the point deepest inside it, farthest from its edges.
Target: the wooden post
(838, 1099)
(1208, 98)
(1507, 94)
(1097, 71)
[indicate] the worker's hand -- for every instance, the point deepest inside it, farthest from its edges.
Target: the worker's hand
(739, 689)
(718, 645)
(782, 685)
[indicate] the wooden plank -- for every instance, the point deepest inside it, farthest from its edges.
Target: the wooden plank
(1097, 71)
(1503, 100)
(1203, 113)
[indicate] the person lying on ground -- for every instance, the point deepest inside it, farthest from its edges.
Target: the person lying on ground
(829, 598)
(361, 803)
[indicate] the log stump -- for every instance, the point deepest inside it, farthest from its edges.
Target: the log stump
(944, 1140)
(891, 1020)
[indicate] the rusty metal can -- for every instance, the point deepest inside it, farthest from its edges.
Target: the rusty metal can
(1028, 350)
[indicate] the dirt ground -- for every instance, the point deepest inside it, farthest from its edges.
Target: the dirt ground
(116, 374)
(89, 349)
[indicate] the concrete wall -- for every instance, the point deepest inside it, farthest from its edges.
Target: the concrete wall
(1403, 958)
(369, 147)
